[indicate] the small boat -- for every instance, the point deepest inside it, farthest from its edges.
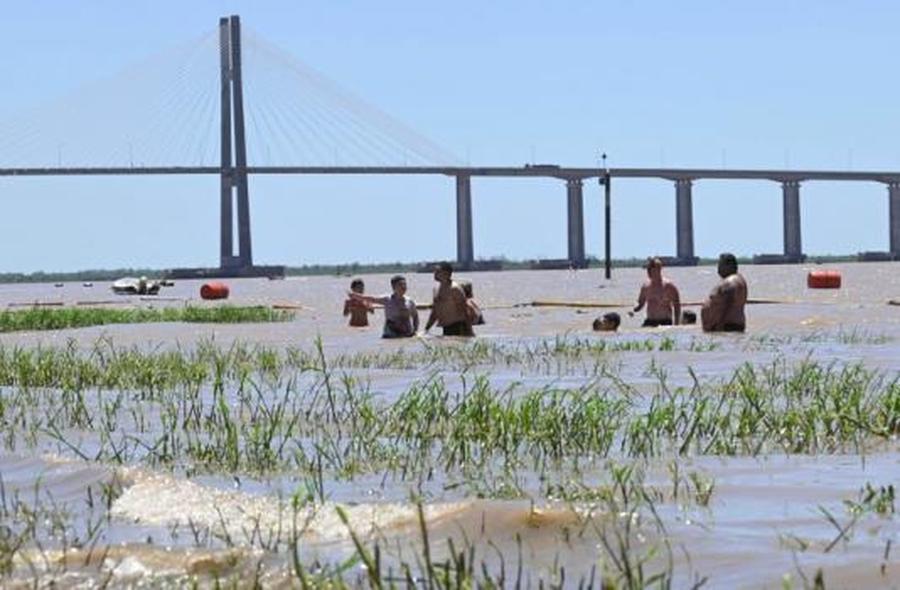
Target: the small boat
(57, 285)
(87, 284)
(133, 286)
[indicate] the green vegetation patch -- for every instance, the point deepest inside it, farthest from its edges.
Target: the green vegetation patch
(75, 317)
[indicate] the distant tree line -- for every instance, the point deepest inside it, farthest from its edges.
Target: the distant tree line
(354, 268)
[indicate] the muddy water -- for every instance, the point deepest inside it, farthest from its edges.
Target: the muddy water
(764, 519)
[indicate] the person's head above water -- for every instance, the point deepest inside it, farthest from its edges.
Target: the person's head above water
(398, 284)
(609, 322)
(357, 286)
(654, 267)
(467, 288)
(688, 317)
(727, 264)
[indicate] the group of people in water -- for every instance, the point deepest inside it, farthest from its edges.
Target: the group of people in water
(454, 309)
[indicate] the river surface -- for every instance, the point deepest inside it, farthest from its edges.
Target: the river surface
(765, 521)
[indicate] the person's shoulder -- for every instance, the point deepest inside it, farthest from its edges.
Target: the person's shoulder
(731, 283)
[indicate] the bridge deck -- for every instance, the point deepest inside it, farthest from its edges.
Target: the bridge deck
(495, 171)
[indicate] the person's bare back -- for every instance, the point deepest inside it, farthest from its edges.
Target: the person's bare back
(450, 305)
(723, 311)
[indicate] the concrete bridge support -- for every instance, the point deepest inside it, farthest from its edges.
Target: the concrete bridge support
(894, 215)
(233, 171)
(465, 253)
(793, 247)
(575, 217)
(684, 223)
(226, 205)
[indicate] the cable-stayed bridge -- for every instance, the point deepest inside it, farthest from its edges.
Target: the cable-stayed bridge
(262, 111)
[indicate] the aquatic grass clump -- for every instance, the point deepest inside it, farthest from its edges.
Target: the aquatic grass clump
(808, 408)
(81, 317)
(233, 410)
(106, 365)
(561, 354)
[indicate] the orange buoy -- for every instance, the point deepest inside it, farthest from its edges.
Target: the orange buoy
(823, 279)
(214, 291)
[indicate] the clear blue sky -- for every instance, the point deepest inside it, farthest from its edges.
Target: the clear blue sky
(753, 84)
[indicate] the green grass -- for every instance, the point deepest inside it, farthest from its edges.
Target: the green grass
(61, 318)
(253, 410)
(259, 411)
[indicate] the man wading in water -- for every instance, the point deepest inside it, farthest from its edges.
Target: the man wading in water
(449, 308)
(723, 310)
(661, 297)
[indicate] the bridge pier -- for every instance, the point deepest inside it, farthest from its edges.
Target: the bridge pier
(575, 197)
(465, 253)
(793, 246)
(684, 224)
(894, 216)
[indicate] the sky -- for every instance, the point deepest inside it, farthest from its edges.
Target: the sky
(767, 84)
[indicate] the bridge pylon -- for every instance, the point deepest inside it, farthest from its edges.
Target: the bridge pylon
(234, 151)
(234, 188)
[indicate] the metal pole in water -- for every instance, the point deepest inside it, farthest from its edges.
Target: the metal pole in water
(607, 221)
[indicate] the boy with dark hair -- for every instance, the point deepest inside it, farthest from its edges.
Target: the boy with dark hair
(357, 309)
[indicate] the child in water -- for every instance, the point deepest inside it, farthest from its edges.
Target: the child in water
(358, 309)
(473, 311)
(608, 322)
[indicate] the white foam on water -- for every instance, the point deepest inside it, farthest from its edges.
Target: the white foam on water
(155, 499)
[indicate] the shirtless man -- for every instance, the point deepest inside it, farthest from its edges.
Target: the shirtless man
(449, 308)
(661, 297)
(723, 311)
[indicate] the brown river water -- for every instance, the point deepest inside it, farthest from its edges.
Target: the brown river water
(763, 524)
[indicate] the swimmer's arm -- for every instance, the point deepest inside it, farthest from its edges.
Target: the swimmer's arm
(642, 299)
(368, 298)
(712, 314)
(431, 318)
(414, 315)
(676, 303)
(347, 307)
(462, 304)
